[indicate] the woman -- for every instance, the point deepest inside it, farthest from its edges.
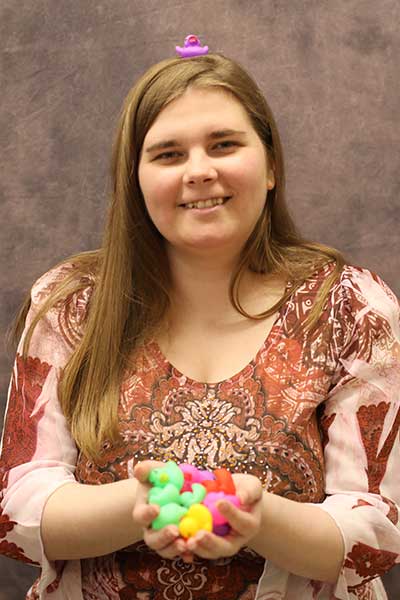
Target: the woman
(205, 330)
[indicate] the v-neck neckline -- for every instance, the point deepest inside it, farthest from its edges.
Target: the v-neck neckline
(268, 341)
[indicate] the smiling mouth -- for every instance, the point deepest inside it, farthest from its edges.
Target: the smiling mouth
(210, 203)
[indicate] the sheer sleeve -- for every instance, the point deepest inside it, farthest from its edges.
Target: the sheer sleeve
(360, 426)
(38, 454)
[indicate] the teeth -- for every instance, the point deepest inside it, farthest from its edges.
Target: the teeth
(205, 203)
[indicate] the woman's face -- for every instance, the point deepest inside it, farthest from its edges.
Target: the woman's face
(204, 173)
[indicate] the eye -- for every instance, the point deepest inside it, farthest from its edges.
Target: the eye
(226, 145)
(167, 155)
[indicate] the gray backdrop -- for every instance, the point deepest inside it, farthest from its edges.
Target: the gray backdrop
(329, 70)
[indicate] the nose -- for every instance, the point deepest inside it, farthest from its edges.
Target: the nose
(199, 169)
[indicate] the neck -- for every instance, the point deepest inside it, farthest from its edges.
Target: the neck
(200, 289)
(200, 283)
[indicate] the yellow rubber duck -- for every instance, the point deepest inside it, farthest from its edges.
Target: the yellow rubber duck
(198, 517)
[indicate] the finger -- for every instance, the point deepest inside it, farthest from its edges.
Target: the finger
(142, 469)
(248, 497)
(187, 557)
(241, 521)
(172, 551)
(250, 494)
(144, 514)
(159, 540)
(209, 546)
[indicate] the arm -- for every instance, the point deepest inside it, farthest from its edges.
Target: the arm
(299, 538)
(43, 510)
(361, 424)
(278, 529)
(38, 454)
(104, 513)
(353, 536)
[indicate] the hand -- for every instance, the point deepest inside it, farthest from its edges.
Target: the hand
(245, 522)
(166, 541)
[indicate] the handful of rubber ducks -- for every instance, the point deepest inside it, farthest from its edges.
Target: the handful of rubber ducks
(187, 497)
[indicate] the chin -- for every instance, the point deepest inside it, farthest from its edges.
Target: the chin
(210, 246)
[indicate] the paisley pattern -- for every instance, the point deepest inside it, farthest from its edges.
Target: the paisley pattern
(21, 431)
(368, 562)
(149, 577)
(315, 416)
(371, 420)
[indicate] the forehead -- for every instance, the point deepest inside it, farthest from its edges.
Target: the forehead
(200, 108)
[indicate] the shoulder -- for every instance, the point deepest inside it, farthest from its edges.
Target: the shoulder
(61, 297)
(356, 299)
(354, 285)
(365, 290)
(368, 307)
(48, 282)
(361, 278)
(63, 280)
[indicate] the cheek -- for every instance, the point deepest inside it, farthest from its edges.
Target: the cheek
(157, 187)
(250, 173)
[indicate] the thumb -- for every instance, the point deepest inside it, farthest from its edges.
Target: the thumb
(142, 469)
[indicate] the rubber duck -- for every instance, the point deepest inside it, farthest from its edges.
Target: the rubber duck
(211, 502)
(170, 514)
(198, 517)
(192, 47)
(196, 496)
(223, 482)
(194, 475)
(164, 495)
(169, 473)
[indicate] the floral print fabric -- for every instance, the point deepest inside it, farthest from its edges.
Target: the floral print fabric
(315, 416)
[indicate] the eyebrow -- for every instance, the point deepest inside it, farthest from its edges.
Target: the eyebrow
(215, 135)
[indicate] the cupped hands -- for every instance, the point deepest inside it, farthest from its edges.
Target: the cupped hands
(245, 521)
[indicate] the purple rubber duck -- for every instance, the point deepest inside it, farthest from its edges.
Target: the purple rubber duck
(192, 47)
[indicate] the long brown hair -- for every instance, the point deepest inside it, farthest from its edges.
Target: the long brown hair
(132, 283)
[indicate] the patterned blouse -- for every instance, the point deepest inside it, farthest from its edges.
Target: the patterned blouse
(315, 416)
